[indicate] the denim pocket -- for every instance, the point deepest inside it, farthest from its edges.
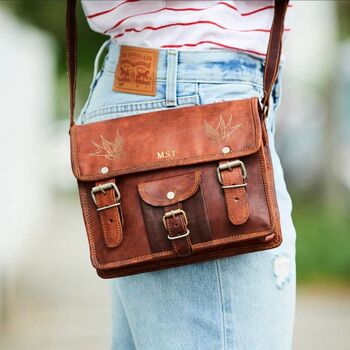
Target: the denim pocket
(219, 92)
(105, 103)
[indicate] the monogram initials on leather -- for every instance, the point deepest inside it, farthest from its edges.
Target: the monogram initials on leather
(166, 154)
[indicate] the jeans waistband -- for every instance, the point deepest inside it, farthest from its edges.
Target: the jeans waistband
(212, 65)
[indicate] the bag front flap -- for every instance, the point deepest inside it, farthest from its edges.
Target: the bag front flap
(170, 190)
(166, 138)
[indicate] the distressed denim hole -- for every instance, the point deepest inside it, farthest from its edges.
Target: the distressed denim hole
(281, 269)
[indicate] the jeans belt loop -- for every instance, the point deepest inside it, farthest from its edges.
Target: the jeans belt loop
(171, 78)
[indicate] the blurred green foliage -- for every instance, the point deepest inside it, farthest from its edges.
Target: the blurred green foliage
(323, 242)
(343, 13)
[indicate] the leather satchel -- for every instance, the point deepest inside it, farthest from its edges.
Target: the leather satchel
(158, 192)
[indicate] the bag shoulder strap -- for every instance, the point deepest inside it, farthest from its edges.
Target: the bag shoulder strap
(274, 51)
(71, 55)
(271, 64)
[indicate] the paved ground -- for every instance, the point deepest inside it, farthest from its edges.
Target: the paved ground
(60, 304)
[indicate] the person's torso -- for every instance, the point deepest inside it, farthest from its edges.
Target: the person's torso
(240, 25)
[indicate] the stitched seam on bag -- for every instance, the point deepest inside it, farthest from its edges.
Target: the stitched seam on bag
(255, 115)
(98, 263)
(89, 226)
(170, 252)
(198, 245)
(249, 148)
(274, 217)
(267, 186)
(253, 147)
(182, 197)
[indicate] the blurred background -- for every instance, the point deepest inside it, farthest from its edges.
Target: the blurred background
(50, 297)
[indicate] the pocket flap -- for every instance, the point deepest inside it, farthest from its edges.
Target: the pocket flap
(170, 190)
(163, 139)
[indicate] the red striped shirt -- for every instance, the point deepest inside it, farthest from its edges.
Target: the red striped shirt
(187, 25)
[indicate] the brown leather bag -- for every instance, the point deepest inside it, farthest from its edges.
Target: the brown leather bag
(163, 192)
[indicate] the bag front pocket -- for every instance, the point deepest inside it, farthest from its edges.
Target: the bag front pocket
(174, 213)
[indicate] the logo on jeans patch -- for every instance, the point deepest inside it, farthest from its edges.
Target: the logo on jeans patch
(222, 132)
(136, 71)
(108, 149)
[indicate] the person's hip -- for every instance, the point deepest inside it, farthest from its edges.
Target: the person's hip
(183, 78)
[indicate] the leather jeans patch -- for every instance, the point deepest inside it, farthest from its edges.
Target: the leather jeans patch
(136, 70)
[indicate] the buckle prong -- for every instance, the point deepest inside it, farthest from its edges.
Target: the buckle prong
(173, 213)
(102, 188)
(229, 166)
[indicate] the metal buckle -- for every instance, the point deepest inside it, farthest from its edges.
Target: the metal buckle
(173, 213)
(229, 166)
(179, 236)
(102, 188)
(264, 105)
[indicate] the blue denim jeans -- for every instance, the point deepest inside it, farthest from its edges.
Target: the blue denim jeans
(241, 302)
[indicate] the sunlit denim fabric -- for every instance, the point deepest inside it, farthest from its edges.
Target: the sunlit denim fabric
(241, 302)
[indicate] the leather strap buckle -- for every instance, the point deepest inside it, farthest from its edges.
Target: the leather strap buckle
(106, 197)
(102, 188)
(173, 213)
(175, 222)
(229, 166)
(179, 236)
(232, 176)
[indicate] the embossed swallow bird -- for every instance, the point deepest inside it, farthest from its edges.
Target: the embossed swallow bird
(109, 150)
(222, 131)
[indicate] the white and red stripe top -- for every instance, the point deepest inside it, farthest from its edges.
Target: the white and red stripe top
(201, 24)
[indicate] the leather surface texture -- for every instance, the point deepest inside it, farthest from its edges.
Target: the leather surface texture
(159, 192)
